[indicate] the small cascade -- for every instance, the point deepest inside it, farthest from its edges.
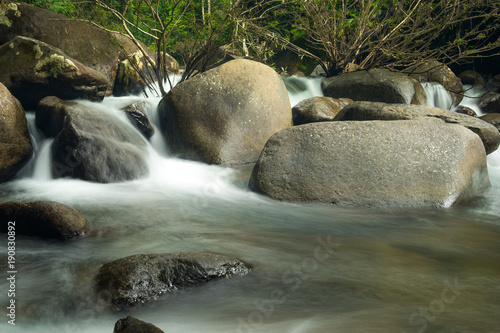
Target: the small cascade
(471, 97)
(42, 169)
(437, 95)
(152, 100)
(157, 140)
(38, 141)
(300, 88)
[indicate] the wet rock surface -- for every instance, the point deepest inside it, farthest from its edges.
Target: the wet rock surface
(143, 278)
(47, 219)
(90, 144)
(133, 325)
(137, 115)
(15, 142)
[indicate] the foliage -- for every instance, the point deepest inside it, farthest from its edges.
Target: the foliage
(64, 7)
(182, 27)
(346, 35)
(340, 35)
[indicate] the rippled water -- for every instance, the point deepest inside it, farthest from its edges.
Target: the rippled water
(317, 268)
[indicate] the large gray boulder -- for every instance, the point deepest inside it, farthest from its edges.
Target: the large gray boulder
(407, 163)
(90, 144)
(32, 70)
(225, 115)
(381, 111)
(15, 142)
(434, 71)
(143, 278)
(48, 219)
(375, 85)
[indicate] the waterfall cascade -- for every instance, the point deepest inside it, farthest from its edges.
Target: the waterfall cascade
(437, 95)
(300, 88)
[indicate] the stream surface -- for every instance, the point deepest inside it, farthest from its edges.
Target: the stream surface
(317, 267)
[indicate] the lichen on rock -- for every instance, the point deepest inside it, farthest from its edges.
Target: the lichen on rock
(54, 65)
(37, 50)
(4, 8)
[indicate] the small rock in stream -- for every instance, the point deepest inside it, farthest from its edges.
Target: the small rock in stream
(142, 278)
(48, 219)
(133, 325)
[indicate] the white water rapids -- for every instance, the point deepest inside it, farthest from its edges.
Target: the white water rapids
(434, 270)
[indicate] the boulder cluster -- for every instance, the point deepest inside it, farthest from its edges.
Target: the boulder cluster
(370, 140)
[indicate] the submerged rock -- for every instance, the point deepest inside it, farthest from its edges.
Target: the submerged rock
(90, 144)
(134, 325)
(32, 70)
(407, 163)
(225, 115)
(142, 278)
(137, 115)
(381, 111)
(48, 219)
(317, 109)
(15, 142)
(375, 85)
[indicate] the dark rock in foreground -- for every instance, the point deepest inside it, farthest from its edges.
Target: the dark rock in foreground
(381, 111)
(225, 115)
(15, 141)
(48, 219)
(134, 325)
(90, 144)
(407, 163)
(142, 278)
(375, 85)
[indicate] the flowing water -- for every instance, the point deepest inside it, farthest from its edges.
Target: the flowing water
(317, 268)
